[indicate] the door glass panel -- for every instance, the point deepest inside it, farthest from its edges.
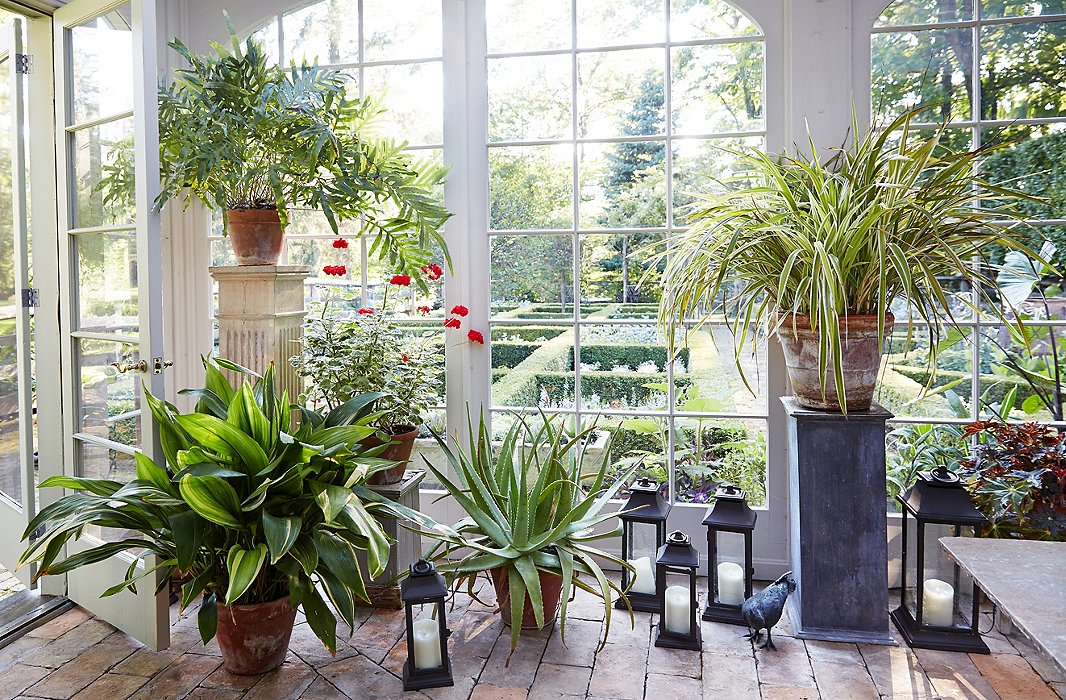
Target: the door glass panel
(109, 400)
(100, 462)
(103, 171)
(107, 282)
(10, 462)
(101, 58)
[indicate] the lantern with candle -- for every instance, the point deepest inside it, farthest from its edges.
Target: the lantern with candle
(643, 533)
(679, 627)
(730, 524)
(939, 608)
(423, 593)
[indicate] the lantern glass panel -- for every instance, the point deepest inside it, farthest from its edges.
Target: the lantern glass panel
(426, 632)
(643, 540)
(909, 594)
(949, 591)
(728, 568)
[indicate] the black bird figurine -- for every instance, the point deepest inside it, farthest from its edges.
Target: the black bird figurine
(763, 610)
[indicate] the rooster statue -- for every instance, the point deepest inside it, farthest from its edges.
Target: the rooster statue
(763, 610)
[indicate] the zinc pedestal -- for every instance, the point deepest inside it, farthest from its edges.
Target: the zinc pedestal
(407, 547)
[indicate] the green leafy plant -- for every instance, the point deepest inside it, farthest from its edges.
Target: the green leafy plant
(239, 133)
(248, 510)
(532, 505)
(879, 221)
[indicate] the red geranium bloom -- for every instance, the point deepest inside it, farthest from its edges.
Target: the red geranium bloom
(476, 337)
(340, 243)
(460, 310)
(433, 271)
(365, 311)
(452, 323)
(335, 270)
(401, 280)
(403, 358)
(424, 310)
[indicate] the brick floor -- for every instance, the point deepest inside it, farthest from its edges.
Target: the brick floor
(76, 656)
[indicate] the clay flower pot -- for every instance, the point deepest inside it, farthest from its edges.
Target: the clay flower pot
(861, 361)
(254, 638)
(551, 589)
(399, 450)
(255, 235)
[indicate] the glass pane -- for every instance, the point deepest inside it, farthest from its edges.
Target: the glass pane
(709, 451)
(1029, 158)
(947, 598)
(1024, 366)
(621, 93)
(102, 64)
(413, 94)
(222, 253)
(529, 98)
(98, 462)
(728, 568)
(708, 19)
(1021, 8)
(718, 88)
(104, 174)
(324, 32)
(706, 374)
(906, 375)
(925, 12)
(527, 25)
(1020, 76)
(107, 282)
(914, 447)
(699, 163)
(633, 441)
(531, 187)
(109, 401)
(622, 367)
(619, 22)
(612, 266)
(623, 185)
(400, 30)
(268, 37)
(542, 379)
(534, 270)
(10, 459)
(932, 68)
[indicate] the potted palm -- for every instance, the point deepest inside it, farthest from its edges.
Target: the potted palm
(820, 252)
(259, 519)
(253, 140)
(534, 507)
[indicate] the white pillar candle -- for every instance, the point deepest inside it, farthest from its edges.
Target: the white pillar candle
(730, 583)
(426, 635)
(677, 616)
(644, 582)
(938, 603)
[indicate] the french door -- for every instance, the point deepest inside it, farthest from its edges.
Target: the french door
(110, 263)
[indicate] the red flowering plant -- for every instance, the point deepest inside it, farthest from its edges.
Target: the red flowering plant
(1017, 478)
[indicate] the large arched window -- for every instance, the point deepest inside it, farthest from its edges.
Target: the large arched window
(992, 70)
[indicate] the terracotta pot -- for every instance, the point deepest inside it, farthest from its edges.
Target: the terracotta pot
(255, 235)
(551, 590)
(255, 638)
(861, 361)
(399, 450)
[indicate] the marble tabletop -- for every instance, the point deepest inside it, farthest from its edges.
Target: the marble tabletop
(1026, 579)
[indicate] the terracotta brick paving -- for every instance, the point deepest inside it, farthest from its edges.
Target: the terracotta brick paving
(76, 656)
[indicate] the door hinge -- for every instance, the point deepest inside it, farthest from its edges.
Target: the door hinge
(31, 297)
(159, 364)
(23, 63)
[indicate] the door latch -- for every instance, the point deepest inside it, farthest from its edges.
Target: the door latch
(159, 364)
(123, 367)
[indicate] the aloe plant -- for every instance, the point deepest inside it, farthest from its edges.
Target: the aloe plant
(247, 509)
(531, 507)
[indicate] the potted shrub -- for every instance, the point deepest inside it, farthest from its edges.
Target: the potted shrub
(254, 140)
(819, 251)
(534, 507)
(261, 520)
(350, 352)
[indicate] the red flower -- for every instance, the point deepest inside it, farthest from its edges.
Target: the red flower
(476, 337)
(452, 323)
(403, 358)
(433, 271)
(365, 311)
(424, 310)
(401, 280)
(340, 243)
(335, 270)
(460, 310)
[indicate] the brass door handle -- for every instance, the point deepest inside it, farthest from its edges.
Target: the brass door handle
(123, 367)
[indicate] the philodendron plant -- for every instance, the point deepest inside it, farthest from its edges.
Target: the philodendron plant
(533, 506)
(248, 510)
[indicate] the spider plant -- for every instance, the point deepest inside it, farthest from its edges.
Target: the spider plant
(532, 506)
(808, 241)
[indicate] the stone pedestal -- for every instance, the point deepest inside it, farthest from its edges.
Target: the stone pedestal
(260, 318)
(407, 547)
(838, 520)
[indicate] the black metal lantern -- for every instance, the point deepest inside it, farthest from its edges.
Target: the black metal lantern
(643, 533)
(939, 607)
(428, 665)
(679, 626)
(730, 524)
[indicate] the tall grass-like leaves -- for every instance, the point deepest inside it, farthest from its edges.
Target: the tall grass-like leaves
(530, 508)
(879, 221)
(248, 511)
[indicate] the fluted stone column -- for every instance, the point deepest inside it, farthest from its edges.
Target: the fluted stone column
(260, 318)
